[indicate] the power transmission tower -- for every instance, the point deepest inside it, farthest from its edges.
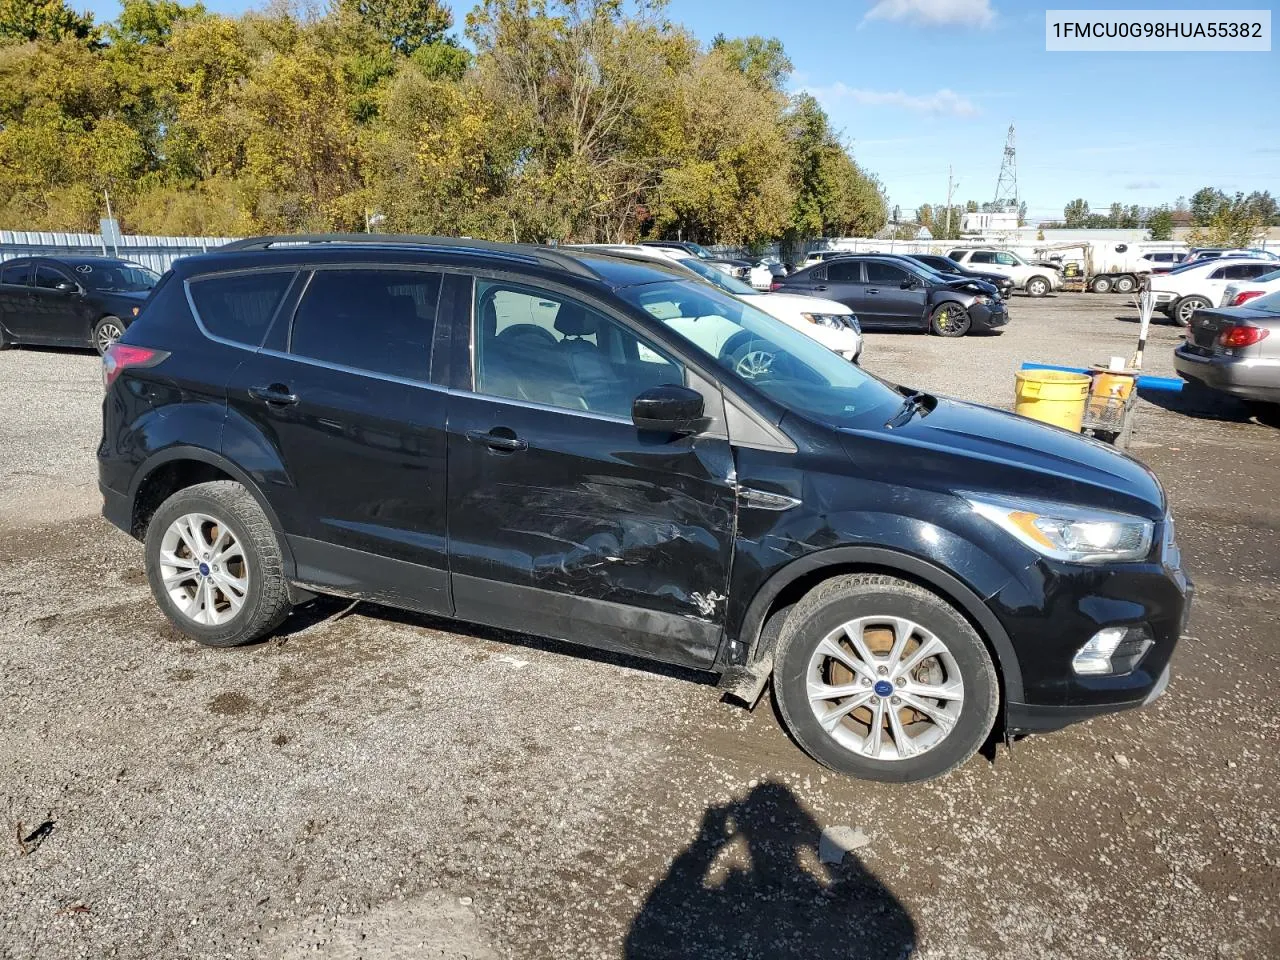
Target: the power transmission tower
(1007, 183)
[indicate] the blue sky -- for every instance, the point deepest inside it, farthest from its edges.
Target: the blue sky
(917, 84)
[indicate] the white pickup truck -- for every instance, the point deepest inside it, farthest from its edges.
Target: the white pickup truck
(1034, 279)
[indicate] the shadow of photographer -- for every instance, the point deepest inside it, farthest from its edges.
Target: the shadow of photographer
(751, 884)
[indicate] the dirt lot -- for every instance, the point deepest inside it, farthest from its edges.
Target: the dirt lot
(380, 785)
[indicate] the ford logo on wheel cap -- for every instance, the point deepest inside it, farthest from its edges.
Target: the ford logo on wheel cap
(883, 688)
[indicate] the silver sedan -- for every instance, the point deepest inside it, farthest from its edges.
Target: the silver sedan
(1235, 350)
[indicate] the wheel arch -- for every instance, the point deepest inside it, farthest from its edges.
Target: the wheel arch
(175, 468)
(760, 625)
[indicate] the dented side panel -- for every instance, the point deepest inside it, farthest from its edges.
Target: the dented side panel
(637, 531)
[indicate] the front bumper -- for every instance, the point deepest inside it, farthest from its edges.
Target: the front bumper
(1251, 378)
(1039, 718)
(989, 316)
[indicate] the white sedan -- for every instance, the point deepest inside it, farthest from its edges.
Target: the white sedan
(1239, 294)
(832, 324)
(1200, 284)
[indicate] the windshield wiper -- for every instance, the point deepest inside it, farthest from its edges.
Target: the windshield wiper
(916, 401)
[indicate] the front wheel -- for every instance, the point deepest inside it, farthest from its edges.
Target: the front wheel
(214, 565)
(1037, 287)
(106, 332)
(1185, 307)
(950, 319)
(881, 679)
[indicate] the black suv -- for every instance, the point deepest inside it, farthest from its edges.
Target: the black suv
(890, 292)
(70, 301)
(556, 442)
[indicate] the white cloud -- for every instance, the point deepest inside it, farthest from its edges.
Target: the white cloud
(1142, 185)
(943, 102)
(934, 13)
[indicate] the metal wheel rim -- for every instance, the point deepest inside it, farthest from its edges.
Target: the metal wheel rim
(755, 363)
(1037, 288)
(950, 319)
(204, 569)
(1186, 310)
(108, 334)
(1124, 286)
(884, 704)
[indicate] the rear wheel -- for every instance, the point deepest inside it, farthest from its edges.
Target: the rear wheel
(1037, 287)
(1185, 307)
(215, 566)
(106, 332)
(1100, 284)
(879, 678)
(950, 319)
(1126, 284)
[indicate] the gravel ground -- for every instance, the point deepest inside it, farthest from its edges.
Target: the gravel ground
(379, 785)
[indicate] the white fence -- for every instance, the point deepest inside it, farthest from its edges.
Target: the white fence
(154, 252)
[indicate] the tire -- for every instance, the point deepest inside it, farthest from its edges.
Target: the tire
(949, 319)
(1185, 307)
(224, 507)
(802, 663)
(5, 342)
(1100, 284)
(1267, 414)
(106, 332)
(1126, 284)
(1038, 286)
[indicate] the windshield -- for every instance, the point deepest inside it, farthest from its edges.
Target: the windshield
(702, 253)
(1268, 304)
(718, 278)
(116, 277)
(782, 363)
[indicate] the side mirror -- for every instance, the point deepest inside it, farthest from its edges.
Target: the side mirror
(65, 287)
(669, 408)
(908, 284)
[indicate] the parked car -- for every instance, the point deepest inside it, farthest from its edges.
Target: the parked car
(822, 256)
(1162, 261)
(544, 440)
(1036, 279)
(734, 267)
(894, 294)
(70, 301)
(1238, 294)
(761, 274)
(1217, 253)
(1197, 284)
(948, 266)
(831, 324)
(1236, 350)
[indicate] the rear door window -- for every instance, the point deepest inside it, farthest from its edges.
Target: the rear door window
(239, 307)
(16, 274)
(844, 271)
(378, 319)
(983, 257)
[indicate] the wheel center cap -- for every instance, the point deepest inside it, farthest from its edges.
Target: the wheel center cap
(883, 688)
(204, 572)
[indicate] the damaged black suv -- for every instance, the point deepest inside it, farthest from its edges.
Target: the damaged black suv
(559, 442)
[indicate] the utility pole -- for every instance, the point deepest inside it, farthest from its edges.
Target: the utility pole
(950, 188)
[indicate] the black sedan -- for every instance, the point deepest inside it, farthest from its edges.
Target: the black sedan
(954, 268)
(72, 301)
(894, 293)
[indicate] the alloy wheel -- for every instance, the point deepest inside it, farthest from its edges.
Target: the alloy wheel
(885, 688)
(108, 334)
(755, 364)
(204, 569)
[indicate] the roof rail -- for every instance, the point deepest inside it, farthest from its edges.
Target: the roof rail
(524, 252)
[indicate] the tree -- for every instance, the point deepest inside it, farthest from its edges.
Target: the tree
(1205, 202)
(1160, 224)
(763, 61)
(402, 25)
(1264, 205)
(1075, 213)
(150, 22)
(1231, 222)
(1022, 214)
(22, 21)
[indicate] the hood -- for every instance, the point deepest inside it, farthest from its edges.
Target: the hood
(799, 301)
(972, 284)
(963, 446)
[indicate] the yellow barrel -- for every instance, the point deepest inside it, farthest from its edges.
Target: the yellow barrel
(1052, 396)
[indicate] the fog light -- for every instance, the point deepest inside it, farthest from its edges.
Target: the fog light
(1113, 651)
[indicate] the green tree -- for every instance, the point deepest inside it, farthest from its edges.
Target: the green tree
(22, 21)
(1232, 222)
(1205, 203)
(150, 22)
(763, 61)
(402, 25)
(1160, 223)
(1075, 213)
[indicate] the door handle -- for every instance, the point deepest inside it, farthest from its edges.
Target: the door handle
(497, 441)
(873, 291)
(276, 393)
(821, 286)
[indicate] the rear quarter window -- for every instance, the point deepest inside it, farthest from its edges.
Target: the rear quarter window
(239, 307)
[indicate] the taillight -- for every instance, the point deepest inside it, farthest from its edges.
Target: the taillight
(1240, 336)
(1245, 296)
(123, 355)
(775, 285)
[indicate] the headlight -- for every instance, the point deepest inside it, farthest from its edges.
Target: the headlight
(1063, 532)
(831, 320)
(982, 298)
